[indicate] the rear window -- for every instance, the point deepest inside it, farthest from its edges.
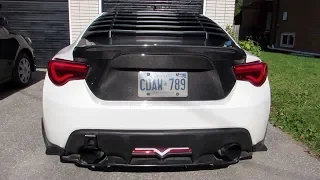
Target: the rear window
(150, 28)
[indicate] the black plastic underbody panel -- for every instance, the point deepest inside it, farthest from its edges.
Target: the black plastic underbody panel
(118, 144)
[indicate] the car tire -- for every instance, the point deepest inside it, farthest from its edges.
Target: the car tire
(21, 74)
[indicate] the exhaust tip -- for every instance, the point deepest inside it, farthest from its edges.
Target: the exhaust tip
(91, 156)
(230, 152)
(234, 152)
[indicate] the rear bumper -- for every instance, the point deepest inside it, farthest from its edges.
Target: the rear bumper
(117, 147)
(73, 107)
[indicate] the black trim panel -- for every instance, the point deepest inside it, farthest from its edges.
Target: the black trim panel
(260, 146)
(117, 146)
(126, 140)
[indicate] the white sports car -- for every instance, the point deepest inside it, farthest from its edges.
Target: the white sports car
(154, 89)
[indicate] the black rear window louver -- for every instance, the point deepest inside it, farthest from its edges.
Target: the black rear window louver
(155, 23)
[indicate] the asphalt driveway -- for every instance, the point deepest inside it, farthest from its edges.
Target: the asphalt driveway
(22, 151)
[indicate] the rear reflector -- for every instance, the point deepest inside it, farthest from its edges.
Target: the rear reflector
(161, 152)
(255, 72)
(61, 71)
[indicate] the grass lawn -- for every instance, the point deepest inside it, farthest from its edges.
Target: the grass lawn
(295, 88)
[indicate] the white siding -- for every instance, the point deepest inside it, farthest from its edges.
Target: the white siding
(220, 11)
(81, 13)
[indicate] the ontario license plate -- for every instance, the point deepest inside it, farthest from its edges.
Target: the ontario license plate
(162, 84)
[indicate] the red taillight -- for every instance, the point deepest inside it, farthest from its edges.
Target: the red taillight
(255, 72)
(62, 71)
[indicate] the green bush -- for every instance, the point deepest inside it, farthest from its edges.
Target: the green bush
(230, 30)
(251, 46)
(238, 7)
(248, 45)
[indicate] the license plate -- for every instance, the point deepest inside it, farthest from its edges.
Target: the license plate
(162, 84)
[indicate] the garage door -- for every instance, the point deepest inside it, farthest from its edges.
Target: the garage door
(193, 6)
(46, 22)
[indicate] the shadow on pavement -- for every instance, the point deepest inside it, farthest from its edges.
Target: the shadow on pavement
(157, 169)
(8, 89)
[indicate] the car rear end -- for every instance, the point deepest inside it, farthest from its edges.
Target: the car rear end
(165, 89)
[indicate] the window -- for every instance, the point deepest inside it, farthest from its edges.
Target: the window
(285, 16)
(287, 39)
(284, 39)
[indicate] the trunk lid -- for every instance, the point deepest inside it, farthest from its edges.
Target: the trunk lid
(114, 70)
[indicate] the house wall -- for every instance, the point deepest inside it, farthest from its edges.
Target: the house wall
(254, 18)
(250, 23)
(83, 11)
(221, 11)
(303, 20)
(248, 2)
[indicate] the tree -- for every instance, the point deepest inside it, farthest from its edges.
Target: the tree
(238, 7)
